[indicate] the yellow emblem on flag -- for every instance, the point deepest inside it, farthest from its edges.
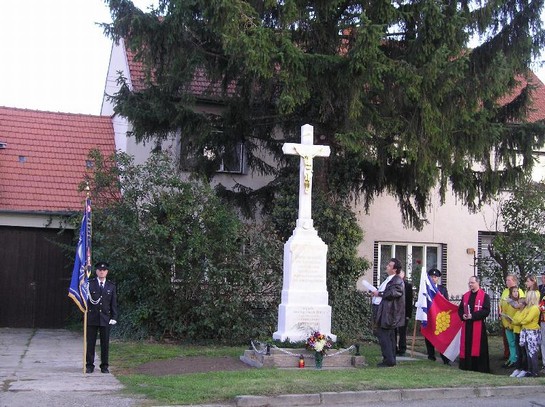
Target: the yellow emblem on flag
(442, 321)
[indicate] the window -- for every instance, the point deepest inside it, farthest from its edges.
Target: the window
(230, 160)
(414, 258)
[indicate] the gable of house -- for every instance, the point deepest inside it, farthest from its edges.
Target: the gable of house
(208, 100)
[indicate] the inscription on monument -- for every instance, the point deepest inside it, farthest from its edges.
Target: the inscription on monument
(309, 316)
(307, 268)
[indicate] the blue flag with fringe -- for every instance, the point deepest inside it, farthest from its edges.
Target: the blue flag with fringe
(79, 285)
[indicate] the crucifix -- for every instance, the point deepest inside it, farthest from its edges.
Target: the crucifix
(307, 150)
(304, 290)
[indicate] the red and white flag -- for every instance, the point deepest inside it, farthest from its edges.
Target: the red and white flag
(444, 326)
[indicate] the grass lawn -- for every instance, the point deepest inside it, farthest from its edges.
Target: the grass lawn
(200, 388)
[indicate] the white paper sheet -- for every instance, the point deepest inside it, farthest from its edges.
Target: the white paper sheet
(368, 286)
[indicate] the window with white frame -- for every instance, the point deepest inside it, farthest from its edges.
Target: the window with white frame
(414, 258)
(230, 160)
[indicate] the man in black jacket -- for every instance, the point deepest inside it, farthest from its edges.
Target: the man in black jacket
(389, 312)
(101, 315)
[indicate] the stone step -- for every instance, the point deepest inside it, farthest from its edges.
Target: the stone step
(289, 358)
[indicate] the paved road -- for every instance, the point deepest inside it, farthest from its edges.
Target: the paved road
(44, 368)
(523, 401)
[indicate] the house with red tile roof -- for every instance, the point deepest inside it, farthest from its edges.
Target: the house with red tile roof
(43, 159)
(452, 240)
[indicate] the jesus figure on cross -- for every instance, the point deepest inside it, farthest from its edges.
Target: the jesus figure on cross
(307, 150)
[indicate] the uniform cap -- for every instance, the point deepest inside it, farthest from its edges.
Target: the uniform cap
(102, 265)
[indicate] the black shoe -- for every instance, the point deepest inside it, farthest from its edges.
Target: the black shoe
(89, 369)
(432, 358)
(399, 353)
(104, 370)
(382, 364)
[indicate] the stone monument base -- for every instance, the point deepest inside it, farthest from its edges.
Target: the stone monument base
(289, 358)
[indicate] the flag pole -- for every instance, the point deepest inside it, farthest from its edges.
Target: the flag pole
(88, 273)
(414, 337)
(84, 340)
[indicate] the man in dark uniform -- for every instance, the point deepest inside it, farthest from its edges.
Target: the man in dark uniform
(435, 275)
(401, 332)
(101, 315)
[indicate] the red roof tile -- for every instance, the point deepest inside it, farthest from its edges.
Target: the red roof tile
(201, 86)
(136, 71)
(537, 109)
(45, 157)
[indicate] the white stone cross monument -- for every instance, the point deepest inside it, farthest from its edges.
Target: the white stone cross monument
(304, 304)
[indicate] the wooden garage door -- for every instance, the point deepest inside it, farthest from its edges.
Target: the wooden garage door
(34, 278)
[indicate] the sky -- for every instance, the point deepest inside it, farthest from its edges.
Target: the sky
(55, 56)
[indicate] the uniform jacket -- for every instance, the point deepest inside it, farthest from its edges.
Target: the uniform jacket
(442, 290)
(409, 300)
(391, 311)
(100, 314)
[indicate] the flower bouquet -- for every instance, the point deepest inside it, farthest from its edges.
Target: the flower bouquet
(319, 343)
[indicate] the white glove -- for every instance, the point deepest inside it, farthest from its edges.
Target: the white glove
(113, 322)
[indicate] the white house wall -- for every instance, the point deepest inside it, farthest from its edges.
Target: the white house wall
(29, 220)
(117, 64)
(449, 224)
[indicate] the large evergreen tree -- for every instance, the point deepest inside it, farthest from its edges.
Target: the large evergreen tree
(391, 86)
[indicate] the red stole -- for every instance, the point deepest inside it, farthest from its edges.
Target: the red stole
(477, 326)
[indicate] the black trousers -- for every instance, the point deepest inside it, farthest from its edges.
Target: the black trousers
(387, 341)
(401, 338)
(92, 332)
(431, 352)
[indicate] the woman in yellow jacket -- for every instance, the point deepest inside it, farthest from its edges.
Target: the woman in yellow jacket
(509, 306)
(530, 334)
